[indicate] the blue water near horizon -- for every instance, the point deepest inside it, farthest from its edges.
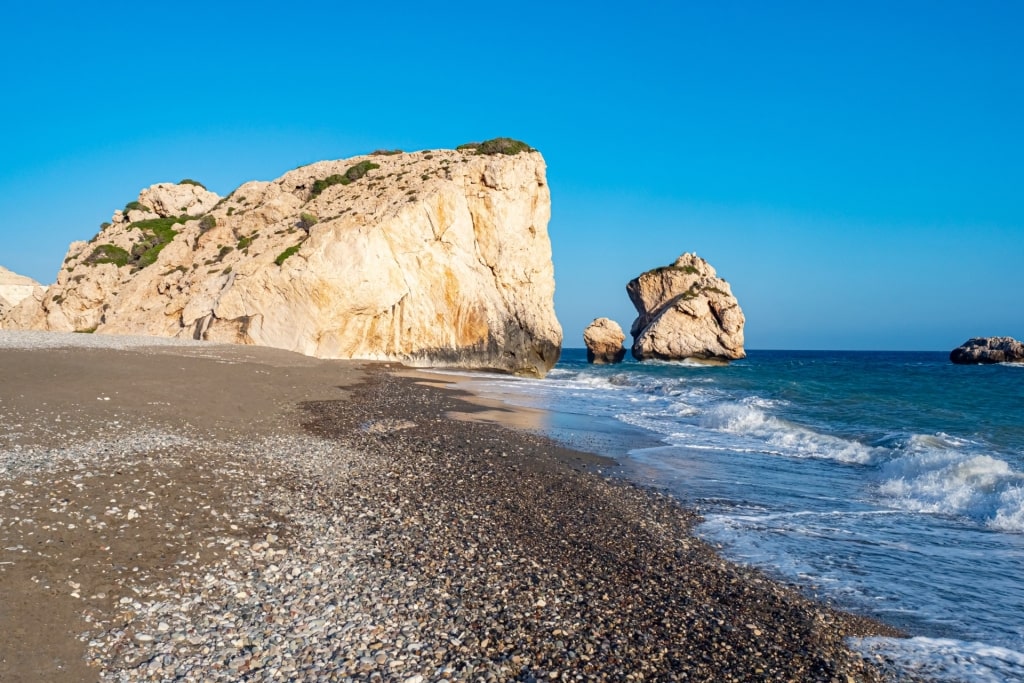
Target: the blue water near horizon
(889, 483)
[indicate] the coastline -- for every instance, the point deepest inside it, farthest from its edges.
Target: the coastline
(331, 518)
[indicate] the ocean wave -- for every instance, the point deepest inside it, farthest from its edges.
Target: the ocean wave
(749, 418)
(940, 474)
(945, 659)
(1010, 513)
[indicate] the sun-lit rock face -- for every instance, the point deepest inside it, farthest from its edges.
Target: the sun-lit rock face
(685, 311)
(14, 289)
(603, 339)
(435, 258)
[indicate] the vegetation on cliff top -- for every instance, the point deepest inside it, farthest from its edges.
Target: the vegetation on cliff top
(497, 146)
(686, 270)
(352, 174)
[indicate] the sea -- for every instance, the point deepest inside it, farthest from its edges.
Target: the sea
(889, 484)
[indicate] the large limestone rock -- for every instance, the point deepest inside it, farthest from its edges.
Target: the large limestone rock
(988, 350)
(435, 258)
(685, 311)
(14, 289)
(604, 338)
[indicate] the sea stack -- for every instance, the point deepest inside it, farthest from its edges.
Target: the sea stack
(432, 258)
(603, 339)
(988, 350)
(685, 311)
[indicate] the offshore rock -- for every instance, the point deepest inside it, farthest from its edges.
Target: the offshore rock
(988, 350)
(603, 339)
(685, 311)
(433, 258)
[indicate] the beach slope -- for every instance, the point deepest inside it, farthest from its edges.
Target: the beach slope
(203, 512)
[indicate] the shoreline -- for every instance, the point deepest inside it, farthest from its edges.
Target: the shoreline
(331, 518)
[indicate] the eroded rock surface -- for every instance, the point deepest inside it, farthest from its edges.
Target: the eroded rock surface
(603, 339)
(685, 311)
(988, 350)
(14, 289)
(433, 258)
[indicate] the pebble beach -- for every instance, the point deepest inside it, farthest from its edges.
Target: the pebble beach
(198, 512)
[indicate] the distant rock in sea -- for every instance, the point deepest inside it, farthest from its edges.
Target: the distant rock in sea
(988, 350)
(432, 258)
(603, 339)
(14, 289)
(685, 312)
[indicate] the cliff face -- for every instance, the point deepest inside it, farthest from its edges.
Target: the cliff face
(685, 311)
(436, 258)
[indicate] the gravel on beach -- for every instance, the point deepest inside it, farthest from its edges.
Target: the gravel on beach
(350, 530)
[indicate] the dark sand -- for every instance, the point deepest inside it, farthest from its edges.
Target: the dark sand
(53, 398)
(608, 582)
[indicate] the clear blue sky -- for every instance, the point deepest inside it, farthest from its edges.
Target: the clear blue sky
(855, 170)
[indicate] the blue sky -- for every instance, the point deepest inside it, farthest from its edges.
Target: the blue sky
(855, 170)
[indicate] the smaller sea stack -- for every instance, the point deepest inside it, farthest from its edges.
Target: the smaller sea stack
(988, 350)
(604, 338)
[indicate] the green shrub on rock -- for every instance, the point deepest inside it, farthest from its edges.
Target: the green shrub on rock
(207, 222)
(307, 220)
(189, 181)
(352, 174)
(108, 253)
(496, 146)
(502, 146)
(157, 233)
(284, 255)
(136, 206)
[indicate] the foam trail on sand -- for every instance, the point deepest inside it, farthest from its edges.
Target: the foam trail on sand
(945, 659)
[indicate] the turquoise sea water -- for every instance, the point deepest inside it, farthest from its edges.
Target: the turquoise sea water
(890, 483)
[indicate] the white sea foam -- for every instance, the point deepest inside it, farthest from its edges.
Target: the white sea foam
(749, 418)
(945, 659)
(940, 474)
(1010, 514)
(769, 468)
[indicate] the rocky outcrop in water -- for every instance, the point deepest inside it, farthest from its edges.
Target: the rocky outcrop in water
(988, 350)
(14, 289)
(434, 258)
(603, 339)
(685, 311)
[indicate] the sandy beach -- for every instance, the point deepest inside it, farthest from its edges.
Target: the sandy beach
(203, 512)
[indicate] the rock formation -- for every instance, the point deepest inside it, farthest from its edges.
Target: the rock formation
(14, 289)
(604, 338)
(433, 258)
(988, 350)
(685, 311)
